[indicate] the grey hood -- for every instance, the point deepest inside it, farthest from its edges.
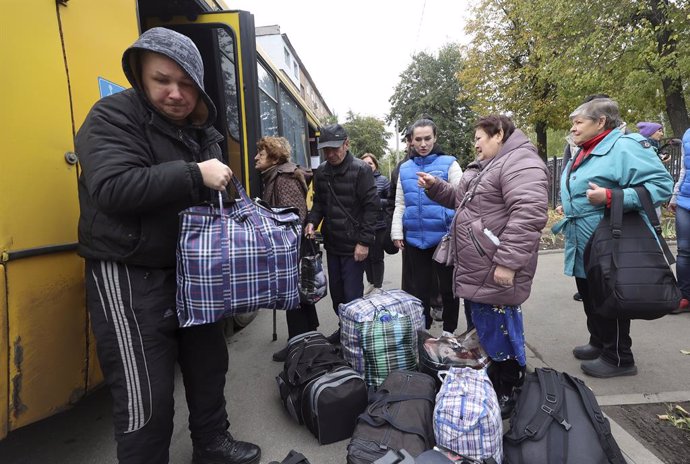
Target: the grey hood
(181, 50)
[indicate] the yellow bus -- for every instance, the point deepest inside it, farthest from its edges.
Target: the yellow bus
(58, 58)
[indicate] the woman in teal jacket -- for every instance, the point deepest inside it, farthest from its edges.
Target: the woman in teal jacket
(607, 159)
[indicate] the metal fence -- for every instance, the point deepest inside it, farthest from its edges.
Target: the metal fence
(555, 167)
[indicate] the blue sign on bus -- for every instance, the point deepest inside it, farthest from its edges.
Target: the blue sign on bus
(105, 87)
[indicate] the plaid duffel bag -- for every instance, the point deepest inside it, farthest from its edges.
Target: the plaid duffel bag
(467, 418)
(379, 333)
(236, 260)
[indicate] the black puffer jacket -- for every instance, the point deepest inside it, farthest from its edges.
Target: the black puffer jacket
(139, 170)
(353, 183)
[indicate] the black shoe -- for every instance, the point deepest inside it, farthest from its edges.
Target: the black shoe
(586, 352)
(223, 449)
(603, 370)
(507, 404)
(281, 355)
(577, 297)
(334, 338)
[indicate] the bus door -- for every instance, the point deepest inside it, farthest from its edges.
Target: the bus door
(227, 44)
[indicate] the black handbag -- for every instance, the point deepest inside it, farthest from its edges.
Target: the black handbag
(313, 283)
(628, 266)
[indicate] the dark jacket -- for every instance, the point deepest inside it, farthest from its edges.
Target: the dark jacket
(383, 185)
(353, 183)
(285, 185)
(138, 170)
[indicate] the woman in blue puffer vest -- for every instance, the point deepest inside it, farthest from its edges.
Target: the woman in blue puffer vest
(680, 203)
(419, 223)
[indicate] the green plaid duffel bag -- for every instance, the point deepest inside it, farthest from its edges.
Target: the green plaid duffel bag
(379, 333)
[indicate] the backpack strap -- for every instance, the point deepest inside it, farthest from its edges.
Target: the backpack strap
(608, 443)
(648, 208)
(551, 404)
(378, 414)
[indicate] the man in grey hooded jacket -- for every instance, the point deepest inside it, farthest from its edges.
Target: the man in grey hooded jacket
(146, 154)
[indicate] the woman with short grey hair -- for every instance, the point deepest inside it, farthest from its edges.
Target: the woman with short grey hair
(607, 159)
(597, 109)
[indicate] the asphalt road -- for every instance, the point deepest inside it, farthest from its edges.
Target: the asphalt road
(554, 323)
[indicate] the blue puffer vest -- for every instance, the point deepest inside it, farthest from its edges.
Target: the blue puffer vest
(683, 198)
(425, 222)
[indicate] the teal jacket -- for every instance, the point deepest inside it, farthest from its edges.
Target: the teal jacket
(618, 161)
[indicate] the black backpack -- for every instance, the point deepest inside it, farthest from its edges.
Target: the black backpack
(628, 272)
(557, 420)
(399, 416)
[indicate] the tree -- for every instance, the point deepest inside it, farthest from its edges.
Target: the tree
(547, 55)
(429, 86)
(367, 134)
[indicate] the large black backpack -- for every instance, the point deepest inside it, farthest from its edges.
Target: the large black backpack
(557, 420)
(399, 416)
(628, 272)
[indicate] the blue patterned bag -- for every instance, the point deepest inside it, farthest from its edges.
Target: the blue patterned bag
(467, 418)
(236, 260)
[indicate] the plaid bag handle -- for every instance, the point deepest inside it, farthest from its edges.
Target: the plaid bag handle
(243, 196)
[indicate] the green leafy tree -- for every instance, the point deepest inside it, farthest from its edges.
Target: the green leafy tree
(367, 134)
(330, 119)
(429, 87)
(538, 59)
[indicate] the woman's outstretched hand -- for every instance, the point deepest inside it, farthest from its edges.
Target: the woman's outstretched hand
(425, 180)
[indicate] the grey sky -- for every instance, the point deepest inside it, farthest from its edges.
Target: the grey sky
(355, 50)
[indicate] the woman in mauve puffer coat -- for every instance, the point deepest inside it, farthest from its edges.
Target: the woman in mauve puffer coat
(501, 205)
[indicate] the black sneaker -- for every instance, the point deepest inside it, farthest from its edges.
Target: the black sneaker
(281, 355)
(223, 449)
(577, 297)
(334, 338)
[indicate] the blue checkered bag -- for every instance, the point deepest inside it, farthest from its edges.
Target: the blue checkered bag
(357, 316)
(467, 417)
(236, 260)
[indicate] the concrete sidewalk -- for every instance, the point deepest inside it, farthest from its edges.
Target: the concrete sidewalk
(554, 324)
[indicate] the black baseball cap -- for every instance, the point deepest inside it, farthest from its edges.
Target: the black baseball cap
(332, 136)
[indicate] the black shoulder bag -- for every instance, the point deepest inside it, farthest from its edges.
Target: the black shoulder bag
(628, 266)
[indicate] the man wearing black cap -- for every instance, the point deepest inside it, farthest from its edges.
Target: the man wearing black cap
(345, 199)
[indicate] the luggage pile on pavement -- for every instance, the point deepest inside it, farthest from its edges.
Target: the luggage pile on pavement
(371, 390)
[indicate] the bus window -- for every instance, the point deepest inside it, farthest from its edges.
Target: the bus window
(268, 102)
(294, 124)
(227, 63)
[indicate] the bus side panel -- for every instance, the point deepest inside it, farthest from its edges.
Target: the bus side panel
(37, 193)
(4, 360)
(47, 336)
(95, 34)
(46, 322)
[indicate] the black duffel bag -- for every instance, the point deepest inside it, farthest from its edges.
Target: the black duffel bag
(557, 420)
(309, 357)
(399, 416)
(628, 266)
